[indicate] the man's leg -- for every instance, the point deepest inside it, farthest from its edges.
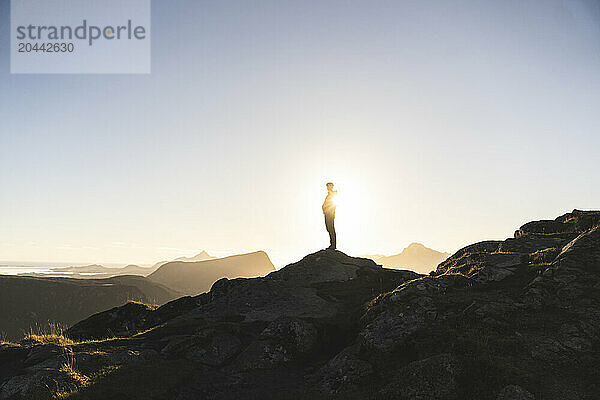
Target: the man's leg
(332, 237)
(331, 230)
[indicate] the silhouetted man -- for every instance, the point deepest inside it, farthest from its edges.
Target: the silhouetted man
(329, 212)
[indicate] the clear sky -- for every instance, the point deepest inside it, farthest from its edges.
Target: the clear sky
(440, 122)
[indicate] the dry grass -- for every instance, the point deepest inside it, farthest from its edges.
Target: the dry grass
(69, 368)
(5, 343)
(53, 333)
(140, 333)
(150, 304)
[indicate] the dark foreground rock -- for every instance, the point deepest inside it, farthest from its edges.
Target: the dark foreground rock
(513, 319)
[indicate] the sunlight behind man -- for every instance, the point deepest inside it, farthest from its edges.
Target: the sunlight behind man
(352, 213)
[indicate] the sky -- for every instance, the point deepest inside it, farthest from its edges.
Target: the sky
(444, 123)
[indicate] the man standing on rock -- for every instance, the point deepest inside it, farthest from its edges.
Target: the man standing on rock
(329, 212)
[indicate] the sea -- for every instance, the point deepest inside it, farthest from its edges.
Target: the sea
(43, 268)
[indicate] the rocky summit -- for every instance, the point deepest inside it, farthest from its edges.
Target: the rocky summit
(513, 319)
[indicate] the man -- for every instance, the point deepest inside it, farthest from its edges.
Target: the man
(329, 212)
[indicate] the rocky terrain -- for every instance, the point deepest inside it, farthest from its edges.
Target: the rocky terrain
(517, 319)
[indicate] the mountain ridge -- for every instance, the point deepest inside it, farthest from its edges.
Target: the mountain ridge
(193, 277)
(202, 256)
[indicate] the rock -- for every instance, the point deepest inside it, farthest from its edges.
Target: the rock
(544, 256)
(425, 286)
(582, 252)
(42, 352)
(12, 358)
(344, 372)
(125, 357)
(407, 309)
(488, 274)
(130, 319)
(484, 267)
(116, 322)
(583, 220)
(220, 349)
(298, 335)
(486, 246)
(324, 266)
(299, 290)
(392, 327)
(40, 384)
(261, 354)
(179, 344)
(266, 299)
(428, 379)
(545, 227)
(574, 222)
(514, 392)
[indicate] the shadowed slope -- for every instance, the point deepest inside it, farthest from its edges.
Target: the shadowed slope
(28, 302)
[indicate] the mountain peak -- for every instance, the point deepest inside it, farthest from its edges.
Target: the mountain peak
(416, 256)
(324, 266)
(202, 256)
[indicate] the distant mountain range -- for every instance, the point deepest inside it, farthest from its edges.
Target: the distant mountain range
(197, 277)
(100, 271)
(415, 257)
(202, 256)
(95, 271)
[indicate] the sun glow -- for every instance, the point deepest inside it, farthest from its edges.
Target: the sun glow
(351, 213)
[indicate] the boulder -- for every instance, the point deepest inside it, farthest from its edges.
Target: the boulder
(323, 266)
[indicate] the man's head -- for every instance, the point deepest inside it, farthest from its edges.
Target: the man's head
(329, 186)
